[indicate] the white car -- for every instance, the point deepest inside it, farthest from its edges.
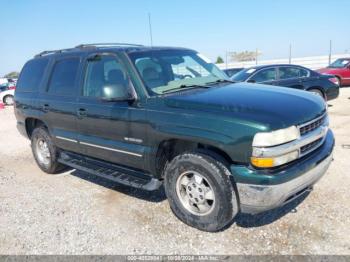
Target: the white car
(7, 97)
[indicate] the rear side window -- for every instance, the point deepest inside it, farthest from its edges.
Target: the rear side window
(292, 72)
(32, 75)
(63, 77)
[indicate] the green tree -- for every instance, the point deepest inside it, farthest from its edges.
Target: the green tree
(13, 74)
(219, 60)
(245, 56)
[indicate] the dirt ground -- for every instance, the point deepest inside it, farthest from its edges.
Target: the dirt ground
(74, 213)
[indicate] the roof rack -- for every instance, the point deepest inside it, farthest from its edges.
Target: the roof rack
(53, 52)
(48, 52)
(106, 44)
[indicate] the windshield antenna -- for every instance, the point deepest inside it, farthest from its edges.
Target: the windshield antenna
(150, 28)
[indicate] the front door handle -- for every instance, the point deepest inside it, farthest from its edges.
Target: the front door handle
(81, 112)
(46, 107)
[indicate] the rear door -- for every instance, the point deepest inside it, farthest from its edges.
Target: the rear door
(58, 102)
(267, 76)
(104, 126)
(293, 76)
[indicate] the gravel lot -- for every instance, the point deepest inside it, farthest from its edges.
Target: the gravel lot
(74, 213)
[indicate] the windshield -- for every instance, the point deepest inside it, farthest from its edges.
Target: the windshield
(340, 63)
(164, 71)
(243, 75)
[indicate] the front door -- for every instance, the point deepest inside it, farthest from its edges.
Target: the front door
(103, 115)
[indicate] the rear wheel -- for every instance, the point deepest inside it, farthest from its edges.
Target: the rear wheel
(8, 100)
(200, 192)
(44, 151)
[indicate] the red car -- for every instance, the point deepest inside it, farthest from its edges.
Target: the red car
(339, 68)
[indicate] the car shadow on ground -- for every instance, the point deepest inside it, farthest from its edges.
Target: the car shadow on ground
(241, 220)
(268, 217)
(151, 196)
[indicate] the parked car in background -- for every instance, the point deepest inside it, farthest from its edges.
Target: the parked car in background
(3, 81)
(232, 71)
(146, 116)
(7, 96)
(293, 76)
(339, 68)
(3, 87)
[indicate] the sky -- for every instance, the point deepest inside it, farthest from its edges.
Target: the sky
(28, 27)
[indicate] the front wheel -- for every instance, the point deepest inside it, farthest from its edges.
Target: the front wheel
(200, 192)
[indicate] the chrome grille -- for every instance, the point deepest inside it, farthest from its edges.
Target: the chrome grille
(309, 147)
(314, 124)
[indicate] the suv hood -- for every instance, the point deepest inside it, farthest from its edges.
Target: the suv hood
(270, 106)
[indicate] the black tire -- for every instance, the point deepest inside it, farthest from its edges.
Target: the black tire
(6, 102)
(225, 206)
(53, 166)
(317, 92)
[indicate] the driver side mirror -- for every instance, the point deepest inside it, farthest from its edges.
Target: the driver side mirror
(118, 93)
(251, 81)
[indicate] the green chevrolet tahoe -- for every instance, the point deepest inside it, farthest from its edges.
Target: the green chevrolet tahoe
(148, 117)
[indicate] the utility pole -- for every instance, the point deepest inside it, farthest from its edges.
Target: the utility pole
(226, 58)
(290, 53)
(330, 52)
(256, 56)
(150, 28)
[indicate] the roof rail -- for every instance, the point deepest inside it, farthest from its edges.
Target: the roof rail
(48, 52)
(106, 44)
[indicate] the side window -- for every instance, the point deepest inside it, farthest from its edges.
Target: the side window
(265, 75)
(32, 75)
(63, 77)
(292, 72)
(105, 77)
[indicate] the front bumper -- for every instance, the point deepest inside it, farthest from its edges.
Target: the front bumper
(273, 190)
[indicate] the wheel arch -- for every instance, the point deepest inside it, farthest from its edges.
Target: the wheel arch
(170, 148)
(319, 89)
(31, 123)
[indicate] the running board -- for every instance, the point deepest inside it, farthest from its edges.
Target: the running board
(110, 171)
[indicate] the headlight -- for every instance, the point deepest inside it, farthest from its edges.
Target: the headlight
(266, 162)
(271, 139)
(277, 137)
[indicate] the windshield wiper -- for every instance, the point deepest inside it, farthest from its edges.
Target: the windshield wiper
(184, 87)
(220, 81)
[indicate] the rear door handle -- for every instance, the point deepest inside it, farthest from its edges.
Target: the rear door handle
(81, 112)
(46, 107)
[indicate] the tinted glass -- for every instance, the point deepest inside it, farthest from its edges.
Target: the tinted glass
(64, 76)
(243, 75)
(105, 78)
(32, 75)
(292, 72)
(232, 71)
(340, 63)
(165, 71)
(264, 75)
